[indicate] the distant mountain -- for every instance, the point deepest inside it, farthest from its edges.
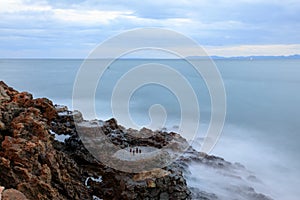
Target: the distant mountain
(296, 56)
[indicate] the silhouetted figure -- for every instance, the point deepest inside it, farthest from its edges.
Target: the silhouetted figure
(137, 150)
(133, 152)
(130, 150)
(140, 150)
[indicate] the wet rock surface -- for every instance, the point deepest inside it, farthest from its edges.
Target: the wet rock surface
(167, 183)
(36, 164)
(223, 179)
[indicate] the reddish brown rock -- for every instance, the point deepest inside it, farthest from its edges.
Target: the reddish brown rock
(28, 160)
(12, 194)
(1, 190)
(39, 167)
(112, 124)
(23, 99)
(46, 107)
(6, 92)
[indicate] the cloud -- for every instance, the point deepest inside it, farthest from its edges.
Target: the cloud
(89, 16)
(29, 24)
(16, 6)
(254, 50)
(20, 9)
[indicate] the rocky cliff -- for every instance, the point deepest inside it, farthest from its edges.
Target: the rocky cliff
(28, 160)
(43, 157)
(38, 166)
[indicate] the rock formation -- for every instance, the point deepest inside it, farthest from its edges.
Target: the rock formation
(35, 164)
(28, 160)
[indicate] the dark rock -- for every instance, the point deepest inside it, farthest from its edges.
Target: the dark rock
(164, 196)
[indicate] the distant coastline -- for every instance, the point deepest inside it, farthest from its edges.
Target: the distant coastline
(214, 57)
(296, 56)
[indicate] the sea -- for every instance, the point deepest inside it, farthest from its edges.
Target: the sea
(262, 124)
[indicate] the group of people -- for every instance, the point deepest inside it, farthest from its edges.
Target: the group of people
(135, 150)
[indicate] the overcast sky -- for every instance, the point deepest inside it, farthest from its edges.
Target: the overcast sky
(71, 29)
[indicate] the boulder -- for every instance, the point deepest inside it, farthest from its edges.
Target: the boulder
(12, 194)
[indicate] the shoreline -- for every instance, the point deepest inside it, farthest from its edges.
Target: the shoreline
(66, 170)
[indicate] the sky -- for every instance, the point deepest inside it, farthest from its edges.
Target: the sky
(72, 29)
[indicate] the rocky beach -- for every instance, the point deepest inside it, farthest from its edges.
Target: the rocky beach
(42, 156)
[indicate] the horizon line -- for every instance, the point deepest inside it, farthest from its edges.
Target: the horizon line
(170, 58)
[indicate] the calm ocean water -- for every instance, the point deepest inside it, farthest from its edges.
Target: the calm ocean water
(263, 111)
